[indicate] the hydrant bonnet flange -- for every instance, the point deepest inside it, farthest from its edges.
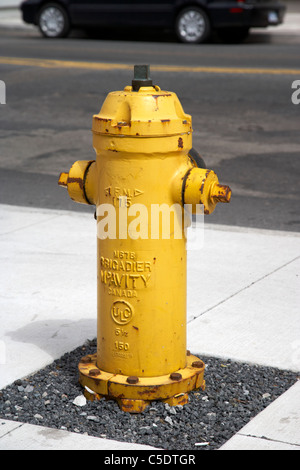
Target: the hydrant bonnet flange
(135, 393)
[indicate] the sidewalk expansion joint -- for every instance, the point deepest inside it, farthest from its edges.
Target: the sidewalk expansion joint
(12, 430)
(30, 225)
(268, 439)
(244, 288)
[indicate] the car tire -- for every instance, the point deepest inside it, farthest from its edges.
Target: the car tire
(53, 21)
(192, 25)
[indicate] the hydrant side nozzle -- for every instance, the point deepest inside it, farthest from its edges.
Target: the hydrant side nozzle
(90, 183)
(201, 186)
(220, 193)
(63, 180)
(81, 182)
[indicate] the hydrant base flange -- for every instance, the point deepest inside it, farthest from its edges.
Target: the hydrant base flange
(134, 394)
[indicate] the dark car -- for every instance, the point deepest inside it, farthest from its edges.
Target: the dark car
(192, 20)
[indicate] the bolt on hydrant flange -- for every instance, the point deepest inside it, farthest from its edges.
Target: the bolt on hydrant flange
(143, 142)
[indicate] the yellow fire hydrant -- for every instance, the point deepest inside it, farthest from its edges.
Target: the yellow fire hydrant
(142, 139)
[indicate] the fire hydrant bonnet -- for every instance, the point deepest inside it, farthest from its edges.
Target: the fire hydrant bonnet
(147, 113)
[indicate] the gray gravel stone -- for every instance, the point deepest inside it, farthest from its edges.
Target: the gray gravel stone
(205, 423)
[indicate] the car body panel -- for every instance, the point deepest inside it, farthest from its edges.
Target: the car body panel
(160, 13)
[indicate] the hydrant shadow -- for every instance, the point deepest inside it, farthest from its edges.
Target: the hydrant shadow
(56, 337)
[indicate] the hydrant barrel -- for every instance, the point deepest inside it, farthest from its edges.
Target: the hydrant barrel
(142, 282)
(140, 182)
(140, 139)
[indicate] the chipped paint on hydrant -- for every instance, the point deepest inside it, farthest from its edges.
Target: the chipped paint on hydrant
(144, 161)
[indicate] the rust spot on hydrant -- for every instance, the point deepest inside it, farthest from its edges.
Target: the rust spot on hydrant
(180, 143)
(221, 193)
(94, 372)
(86, 360)
(76, 180)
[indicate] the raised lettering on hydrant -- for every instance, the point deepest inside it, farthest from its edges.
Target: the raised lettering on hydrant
(145, 183)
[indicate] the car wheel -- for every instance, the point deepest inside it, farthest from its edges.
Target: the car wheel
(192, 25)
(53, 21)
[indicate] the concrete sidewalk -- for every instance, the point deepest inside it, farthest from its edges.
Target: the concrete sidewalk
(20, 436)
(11, 18)
(10, 3)
(245, 307)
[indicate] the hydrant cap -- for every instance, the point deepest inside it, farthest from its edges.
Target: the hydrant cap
(142, 110)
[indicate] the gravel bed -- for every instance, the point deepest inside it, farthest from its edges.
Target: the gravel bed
(235, 393)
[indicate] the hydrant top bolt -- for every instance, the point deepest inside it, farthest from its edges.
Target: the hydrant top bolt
(141, 77)
(132, 380)
(175, 376)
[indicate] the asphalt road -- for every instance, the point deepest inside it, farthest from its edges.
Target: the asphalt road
(245, 124)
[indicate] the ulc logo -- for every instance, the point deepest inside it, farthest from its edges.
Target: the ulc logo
(296, 94)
